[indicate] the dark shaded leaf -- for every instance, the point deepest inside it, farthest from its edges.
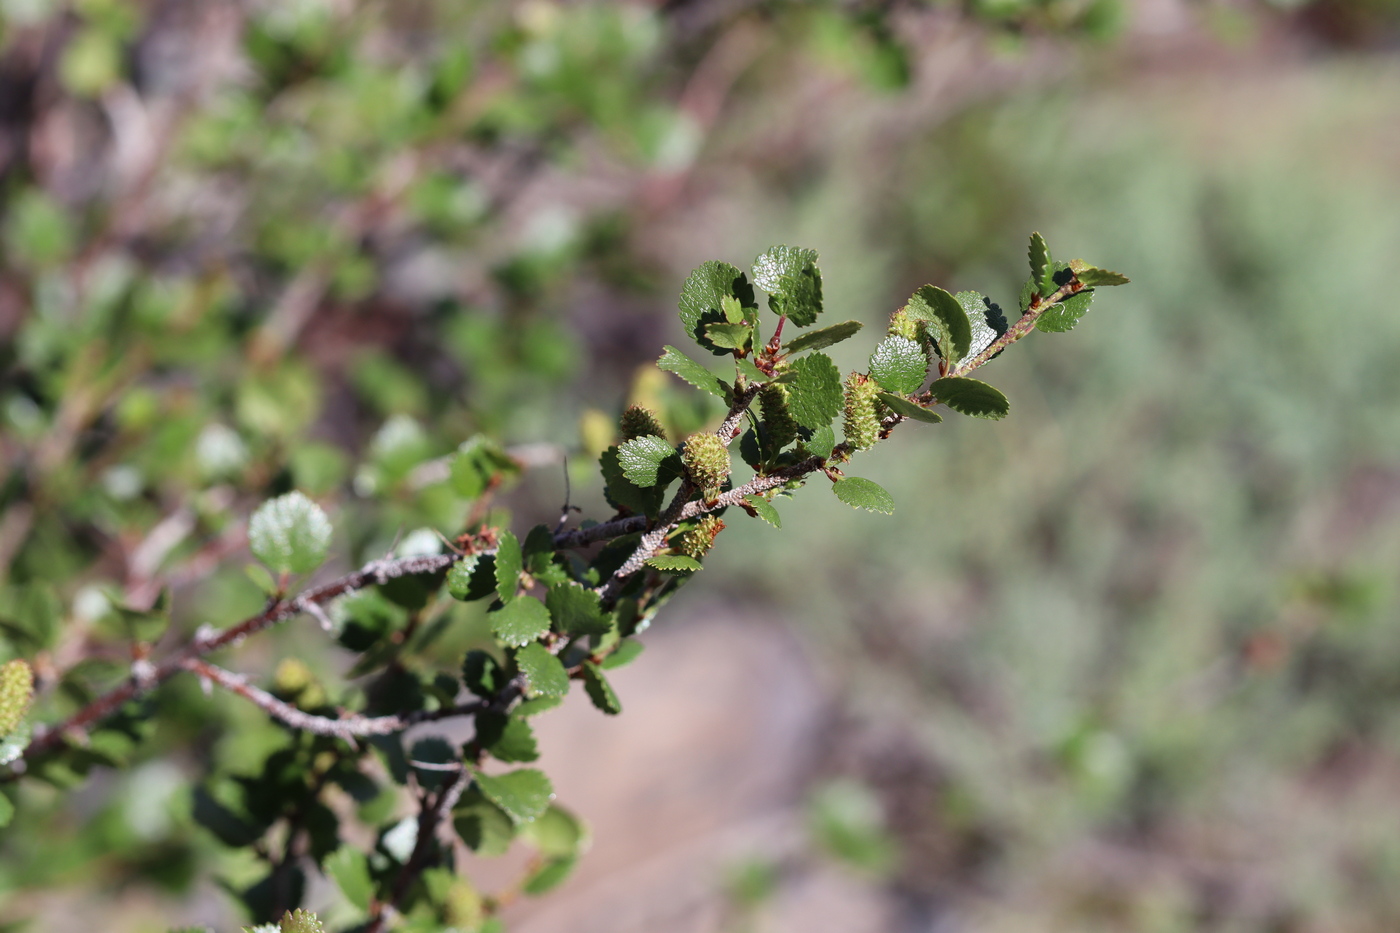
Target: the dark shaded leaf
(482, 673)
(228, 827)
(538, 549)
(599, 690)
(507, 738)
(902, 406)
(461, 582)
(823, 337)
(971, 397)
(702, 300)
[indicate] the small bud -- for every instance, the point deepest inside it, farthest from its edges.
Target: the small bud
(777, 419)
(862, 423)
(697, 541)
(301, 921)
(294, 681)
(16, 690)
(903, 325)
(706, 460)
(640, 422)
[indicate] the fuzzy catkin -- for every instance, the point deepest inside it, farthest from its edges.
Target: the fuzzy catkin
(639, 422)
(706, 460)
(16, 690)
(862, 415)
(697, 541)
(903, 325)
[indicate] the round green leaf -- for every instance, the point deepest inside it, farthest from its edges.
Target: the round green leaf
(523, 794)
(557, 833)
(519, 621)
(899, 365)
(290, 534)
(648, 460)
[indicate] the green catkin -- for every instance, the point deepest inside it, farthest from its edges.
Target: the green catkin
(639, 422)
(777, 419)
(862, 422)
(706, 461)
(902, 325)
(697, 541)
(16, 690)
(301, 921)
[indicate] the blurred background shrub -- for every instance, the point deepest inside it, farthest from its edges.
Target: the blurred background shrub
(1123, 661)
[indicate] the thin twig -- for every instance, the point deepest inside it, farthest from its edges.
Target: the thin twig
(347, 727)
